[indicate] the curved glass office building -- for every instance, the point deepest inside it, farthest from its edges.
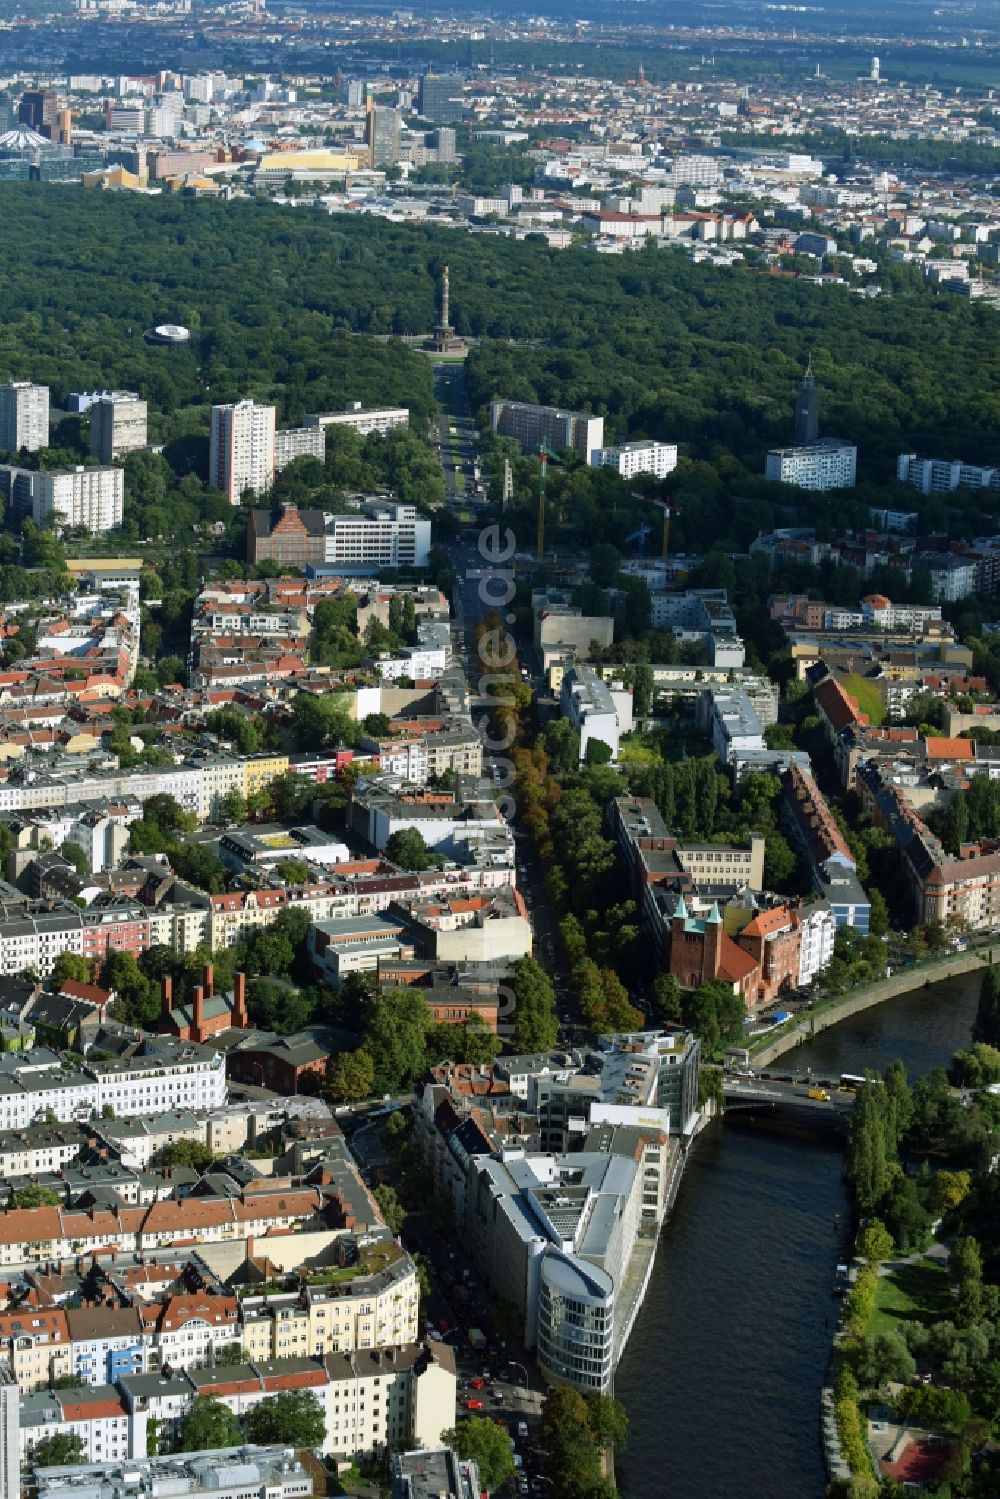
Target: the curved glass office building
(576, 1322)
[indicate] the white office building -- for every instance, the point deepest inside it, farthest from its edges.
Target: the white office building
(88, 499)
(656, 458)
(826, 464)
(117, 426)
(378, 419)
(24, 416)
(242, 449)
(588, 704)
(380, 535)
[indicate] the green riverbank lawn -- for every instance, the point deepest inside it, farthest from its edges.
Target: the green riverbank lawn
(917, 1291)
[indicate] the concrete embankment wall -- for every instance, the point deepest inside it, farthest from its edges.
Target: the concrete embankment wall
(810, 1024)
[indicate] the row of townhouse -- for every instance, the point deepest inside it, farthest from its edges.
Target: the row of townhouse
(33, 937)
(197, 784)
(98, 1344)
(48, 1235)
(162, 1075)
(397, 1397)
(366, 887)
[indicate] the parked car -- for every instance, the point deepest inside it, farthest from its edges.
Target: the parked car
(474, 1405)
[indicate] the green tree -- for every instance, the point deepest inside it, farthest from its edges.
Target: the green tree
(395, 1037)
(779, 861)
(487, 1445)
(598, 753)
(191, 1153)
(562, 745)
(391, 1208)
(608, 1421)
(74, 854)
(208, 1424)
(879, 922)
(536, 1025)
(232, 807)
(351, 1076)
(868, 1155)
(292, 1419)
(292, 871)
(572, 1458)
(61, 1449)
(664, 1003)
(882, 1358)
(70, 965)
(986, 1026)
(409, 850)
(905, 1215)
(876, 1242)
(35, 1196)
(227, 1355)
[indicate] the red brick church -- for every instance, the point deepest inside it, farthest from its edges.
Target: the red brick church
(207, 1014)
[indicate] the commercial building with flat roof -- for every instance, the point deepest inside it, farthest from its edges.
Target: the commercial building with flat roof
(227, 1473)
(428, 1475)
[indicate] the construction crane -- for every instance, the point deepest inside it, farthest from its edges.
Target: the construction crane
(669, 508)
(545, 457)
(640, 536)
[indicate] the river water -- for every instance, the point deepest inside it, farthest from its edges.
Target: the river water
(722, 1374)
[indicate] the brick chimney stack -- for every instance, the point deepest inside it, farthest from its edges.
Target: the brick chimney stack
(208, 979)
(241, 1019)
(166, 996)
(198, 1028)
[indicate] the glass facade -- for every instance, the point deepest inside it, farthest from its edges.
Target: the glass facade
(576, 1323)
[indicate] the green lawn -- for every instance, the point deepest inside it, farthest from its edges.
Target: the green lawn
(914, 1293)
(867, 695)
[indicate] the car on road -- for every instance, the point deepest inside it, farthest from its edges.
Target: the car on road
(522, 1430)
(478, 1384)
(475, 1405)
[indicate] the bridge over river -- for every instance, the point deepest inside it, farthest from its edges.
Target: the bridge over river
(757, 1095)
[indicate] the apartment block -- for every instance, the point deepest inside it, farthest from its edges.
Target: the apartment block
(944, 889)
(828, 463)
(298, 442)
(378, 419)
(241, 454)
(24, 417)
(657, 459)
(117, 426)
(87, 499)
(942, 475)
(530, 425)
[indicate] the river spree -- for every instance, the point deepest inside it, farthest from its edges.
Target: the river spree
(722, 1374)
